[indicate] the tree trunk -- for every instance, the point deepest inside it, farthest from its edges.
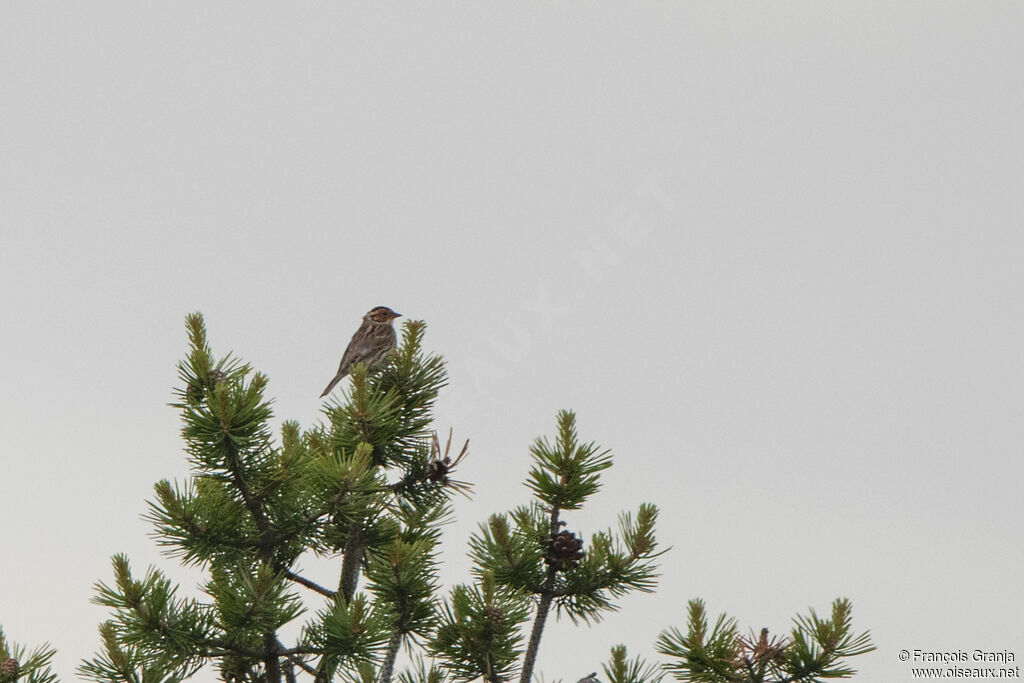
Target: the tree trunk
(542, 610)
(538, 629)
(388, 668)
(271, 664)
(351, 563)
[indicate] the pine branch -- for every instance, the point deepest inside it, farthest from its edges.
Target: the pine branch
(534, 556)
(478, 634)
(295, 659)
(619, 669)
(288, 574)
(812, 651)
(16, 663)
(252, 503)
(543, 606)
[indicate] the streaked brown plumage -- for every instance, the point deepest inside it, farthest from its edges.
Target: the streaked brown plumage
(374, 338)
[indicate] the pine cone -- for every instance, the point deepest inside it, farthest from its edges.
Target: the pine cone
(196, 390)
(9, 669)
(194, 393)
(563, 550)
(493, 616)
(437, 470)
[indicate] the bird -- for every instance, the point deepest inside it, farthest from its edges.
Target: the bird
(371, 342)
(592, 678)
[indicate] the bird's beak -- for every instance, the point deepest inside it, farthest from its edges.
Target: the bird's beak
(397, 315)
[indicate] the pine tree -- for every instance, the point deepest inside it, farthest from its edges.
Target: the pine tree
(370, 488)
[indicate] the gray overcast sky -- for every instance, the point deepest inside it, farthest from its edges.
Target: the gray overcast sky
(769, 252)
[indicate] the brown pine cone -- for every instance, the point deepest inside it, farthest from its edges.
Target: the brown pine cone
(493, 616)
(564, 551)
(9, 669)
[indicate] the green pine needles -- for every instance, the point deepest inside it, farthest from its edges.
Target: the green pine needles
(370, 489)
(532, 558)
(18, 664)
(357, 488)
(812, 652)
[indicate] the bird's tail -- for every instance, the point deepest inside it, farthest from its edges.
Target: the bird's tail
(337, 378)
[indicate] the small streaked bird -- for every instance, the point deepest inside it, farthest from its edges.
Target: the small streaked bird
(592, 678)
(371, 342)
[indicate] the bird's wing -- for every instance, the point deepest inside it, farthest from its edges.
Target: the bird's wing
(351, 356)
(359, 349)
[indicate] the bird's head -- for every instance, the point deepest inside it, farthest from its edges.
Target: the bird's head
(381, 314)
